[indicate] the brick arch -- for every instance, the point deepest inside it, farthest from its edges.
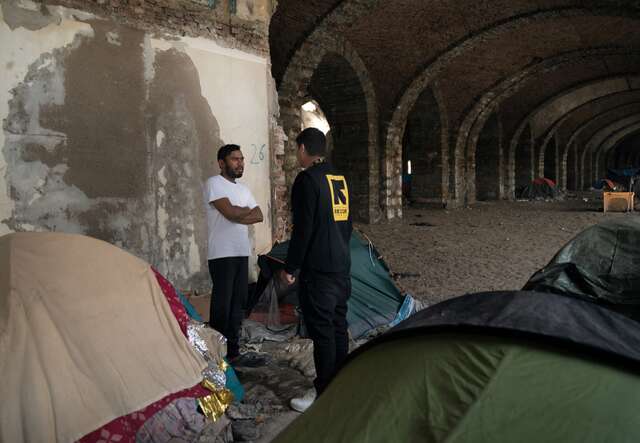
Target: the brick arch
(524, 122)
(523, 155)
(422, 143)
(487, 159)
(393, 133)
(627, 148)
(294, 92)
(608, 103)
(559, 161)
(613, 137)
(477, 117)
(588, 164)
(564, 151)
(581, 135)
(337, 89)
(490, 103)
(612, 144)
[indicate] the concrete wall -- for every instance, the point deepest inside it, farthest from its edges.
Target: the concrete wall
(110, 130)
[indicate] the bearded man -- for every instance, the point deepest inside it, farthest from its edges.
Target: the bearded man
(230, 208)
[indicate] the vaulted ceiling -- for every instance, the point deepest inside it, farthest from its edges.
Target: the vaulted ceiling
(471, 46)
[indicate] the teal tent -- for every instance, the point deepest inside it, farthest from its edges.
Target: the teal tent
(375, 299)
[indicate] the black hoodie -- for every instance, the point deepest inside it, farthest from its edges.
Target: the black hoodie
(321, 222)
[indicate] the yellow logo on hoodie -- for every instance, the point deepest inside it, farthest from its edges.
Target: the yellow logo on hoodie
(339, 197)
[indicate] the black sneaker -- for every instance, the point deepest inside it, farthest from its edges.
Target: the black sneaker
(248, 360)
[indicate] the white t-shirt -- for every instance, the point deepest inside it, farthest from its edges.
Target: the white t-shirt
(227, 238)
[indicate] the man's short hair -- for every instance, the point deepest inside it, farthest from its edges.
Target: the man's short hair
(226, 150)
(314, 141)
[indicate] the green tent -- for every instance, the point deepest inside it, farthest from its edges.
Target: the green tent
(492, 367)
(375, 299)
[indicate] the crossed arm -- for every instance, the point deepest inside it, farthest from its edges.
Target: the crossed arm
(236, 214)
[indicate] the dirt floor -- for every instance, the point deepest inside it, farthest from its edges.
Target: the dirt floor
(434, 254)
(437, 254)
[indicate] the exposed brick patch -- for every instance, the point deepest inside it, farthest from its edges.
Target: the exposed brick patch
(183, 18)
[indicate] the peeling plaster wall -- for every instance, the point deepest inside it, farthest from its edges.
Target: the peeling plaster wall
(110, 132)
(20, 50)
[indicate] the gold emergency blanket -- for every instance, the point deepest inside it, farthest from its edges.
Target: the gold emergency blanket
(86, 336)
(215, 404)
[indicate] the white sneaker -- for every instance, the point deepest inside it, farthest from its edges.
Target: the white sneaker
(301, 404)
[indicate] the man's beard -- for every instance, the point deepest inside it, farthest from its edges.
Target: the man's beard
(233, 174)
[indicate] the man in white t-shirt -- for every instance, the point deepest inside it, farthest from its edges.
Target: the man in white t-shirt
(230, 209)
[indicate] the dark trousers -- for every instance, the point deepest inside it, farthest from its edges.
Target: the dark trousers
(230, 276)
(323, 299)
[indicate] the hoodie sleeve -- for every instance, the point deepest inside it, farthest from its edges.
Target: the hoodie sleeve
(304, 199)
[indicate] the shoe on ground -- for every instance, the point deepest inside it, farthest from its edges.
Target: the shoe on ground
(303, 403)
(248, 360)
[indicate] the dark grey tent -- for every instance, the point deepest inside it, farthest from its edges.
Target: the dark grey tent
(601, 264)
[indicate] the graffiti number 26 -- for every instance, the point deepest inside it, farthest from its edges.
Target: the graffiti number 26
(258, 154)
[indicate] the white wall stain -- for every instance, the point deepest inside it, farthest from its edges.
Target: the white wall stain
(161, 213)
(163, 223)
(119, 223)
(114, 38)
(28, 5)
(41, 94)
(162, 176)
(195, 262)
(148, 54)
(159, 138)
(51, 197)
(188, 170)
(186, 260)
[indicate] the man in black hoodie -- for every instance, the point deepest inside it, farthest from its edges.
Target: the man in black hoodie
(319, 248)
